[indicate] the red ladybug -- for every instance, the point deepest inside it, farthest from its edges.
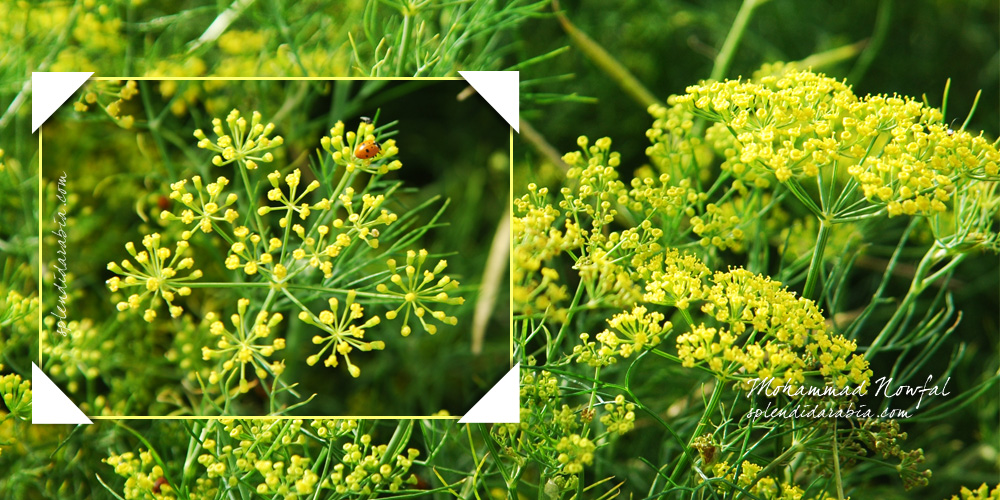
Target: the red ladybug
(367, 150)
(160, 481)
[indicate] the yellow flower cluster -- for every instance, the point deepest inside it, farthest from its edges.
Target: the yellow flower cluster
(620, 416)
(610, 260)
(156, 273)
(537, 240)
(765, 330)
(786, 125)
(181, 94)
(675, 150)
(245, 144)
(294, 201)
(342, 335)
(598, 197)
(675, 279)
(539, 396)
(246, 344)
(323, 242)
(205, 211)
(16, 307)
(719, 227)
(362, 223)
(983, 492)
(555, 434)
(364, 469)
(660, 197)
(76, 355)
(795, 124)
(145, 479)
(16, 395)
(264, 453)
(109, 96)
(598, 188)
(575, 452)
(635, 332)
(419, 288)
(749, 479)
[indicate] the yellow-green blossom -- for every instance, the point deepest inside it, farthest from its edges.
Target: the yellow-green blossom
(983, 492)
(342, 335)
(632, 332)
(419, 288)
(245, 143)
(767, 332)
(155, 272)
(16, 395)
(248, 343)
(620, 416)
(575, 451)
(206, 210)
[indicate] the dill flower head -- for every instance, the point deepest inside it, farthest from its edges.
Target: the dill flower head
(245, 143)
(631, 333)
(205, 207)
(785, 125)
(145, 478)
(341, 334)
(575, 451)
(795, 124)
(620, 416)
(538, 240)
(766, 331)
(155, 273)
(754, 328)
(16, 395)
(110, 97)
(248, 343)
(419, 289)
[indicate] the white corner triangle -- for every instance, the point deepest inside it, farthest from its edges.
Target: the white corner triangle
(501, 89)
(502, 405)
(48, 403)
(49, 91)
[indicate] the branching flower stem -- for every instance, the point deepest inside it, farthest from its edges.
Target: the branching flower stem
(922, 278)
(816, 265)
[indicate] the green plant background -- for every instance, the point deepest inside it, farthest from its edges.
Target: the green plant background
(912, 48)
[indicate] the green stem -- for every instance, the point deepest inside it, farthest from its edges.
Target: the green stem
(398, 441)
(705, 417)
(551, 352)
(725, 57)
(593, 390)
(600, 57)
(836, 465)
(920, 282)
(816, 265)
(402, 43)
(882, 26)
(250, 199)
(792, 450)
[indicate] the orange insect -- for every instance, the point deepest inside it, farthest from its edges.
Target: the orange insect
(367, 150)
(160, 481)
